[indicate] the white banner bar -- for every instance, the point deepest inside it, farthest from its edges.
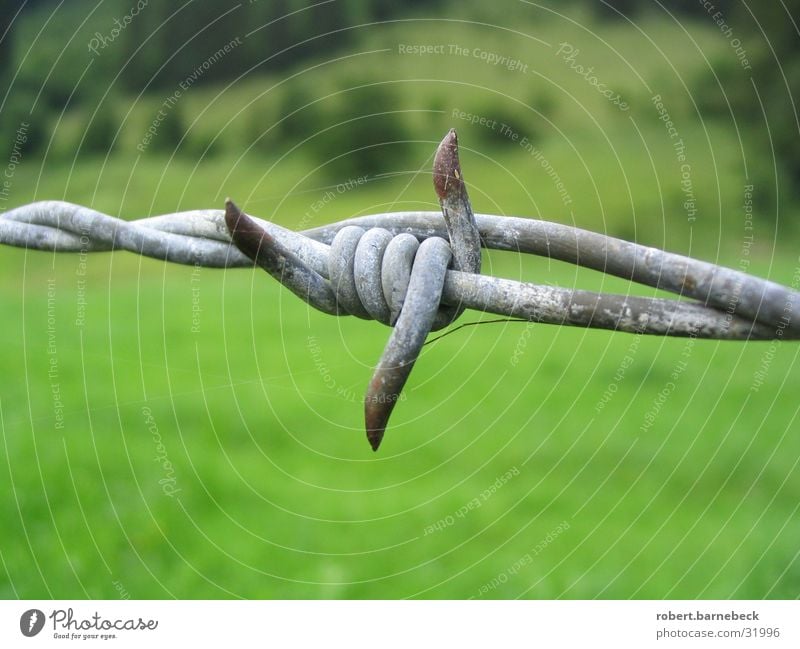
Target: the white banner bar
(387, 624)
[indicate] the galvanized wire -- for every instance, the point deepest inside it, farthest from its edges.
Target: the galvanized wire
(730, 304)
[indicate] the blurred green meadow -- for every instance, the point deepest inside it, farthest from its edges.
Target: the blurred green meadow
(171, 431)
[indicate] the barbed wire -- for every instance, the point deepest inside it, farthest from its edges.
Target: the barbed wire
(418, 271)
(199, 237)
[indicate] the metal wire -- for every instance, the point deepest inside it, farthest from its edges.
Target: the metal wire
(418, 271)
(742, 306)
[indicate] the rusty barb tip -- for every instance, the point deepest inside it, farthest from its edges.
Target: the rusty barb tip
(375, 438)
(447, 177)
(247, 235)
(232, 214)
(377, 411)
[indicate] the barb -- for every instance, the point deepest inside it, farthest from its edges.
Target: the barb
(448, 181)
(394, 268)
(424, 289)
(278, 260)
(401, 286)
(408, 336)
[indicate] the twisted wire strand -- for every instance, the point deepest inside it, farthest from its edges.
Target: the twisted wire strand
(747, 307)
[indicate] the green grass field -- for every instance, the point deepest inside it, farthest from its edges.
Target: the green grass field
(155, 450)
(258, 413)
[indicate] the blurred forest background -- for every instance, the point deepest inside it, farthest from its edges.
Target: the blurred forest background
(326, 81)
(309, 112)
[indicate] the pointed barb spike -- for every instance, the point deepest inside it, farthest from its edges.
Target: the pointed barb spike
(247, 234)
(232, 215)
(447, 176)
(462, 230)
(377, 408)
(268, 252)
(375, 437)
(408, 336)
